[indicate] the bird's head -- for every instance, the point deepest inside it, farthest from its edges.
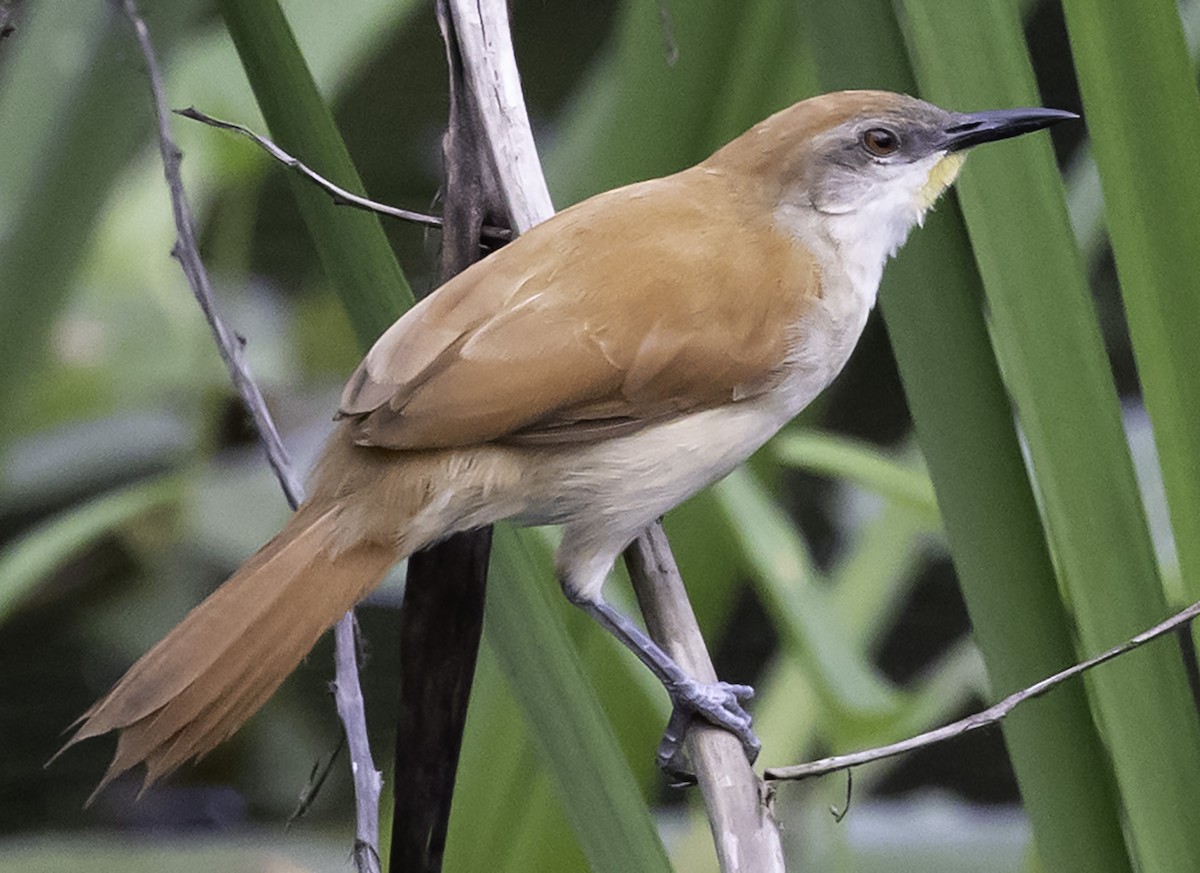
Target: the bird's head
(863, 167)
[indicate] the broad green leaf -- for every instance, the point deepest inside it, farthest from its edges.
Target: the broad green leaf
(1048, 342)
(28, 560)
(932, 303)
(584, 760)
(1139, 92)
(862, 464)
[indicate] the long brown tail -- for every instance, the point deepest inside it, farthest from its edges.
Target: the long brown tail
(222, 662)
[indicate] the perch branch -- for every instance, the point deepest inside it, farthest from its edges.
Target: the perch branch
(746, 835)
(990, 716)
(347, 693)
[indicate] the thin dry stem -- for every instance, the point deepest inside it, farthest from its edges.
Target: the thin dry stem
(348, 695)
(990, 716)
(340, 195)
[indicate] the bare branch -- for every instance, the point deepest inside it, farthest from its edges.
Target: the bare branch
(990, 716)
(347, 692)
(340, 195)
(744, 829)
(746, 835)
(491, 64)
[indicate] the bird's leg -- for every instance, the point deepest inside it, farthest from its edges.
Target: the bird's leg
(719, 702)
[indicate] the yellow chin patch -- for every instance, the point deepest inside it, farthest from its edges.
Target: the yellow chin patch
(940, 178)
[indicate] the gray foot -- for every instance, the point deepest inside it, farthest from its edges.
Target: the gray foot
(719, 703)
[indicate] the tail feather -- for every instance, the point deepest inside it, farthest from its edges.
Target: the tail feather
(221, 663)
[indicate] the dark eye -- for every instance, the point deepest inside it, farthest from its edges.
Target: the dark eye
(880, 142)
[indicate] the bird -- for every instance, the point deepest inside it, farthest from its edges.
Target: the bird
(592, 374)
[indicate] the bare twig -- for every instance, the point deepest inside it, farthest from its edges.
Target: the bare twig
(744, 829)
(746, 836)
(340, 195)
(316, 780)
(187, 252)
(990, 716)
(368, 781)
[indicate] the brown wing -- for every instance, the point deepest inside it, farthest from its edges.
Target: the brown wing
(636, 305)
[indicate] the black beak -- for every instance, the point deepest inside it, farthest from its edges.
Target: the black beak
(972, 128)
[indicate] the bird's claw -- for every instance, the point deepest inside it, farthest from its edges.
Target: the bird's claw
(719, 703)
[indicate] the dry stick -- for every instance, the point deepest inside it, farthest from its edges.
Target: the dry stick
(367, 781)
(340, 195)
(746, 835)
(992, 715)
(737, 802)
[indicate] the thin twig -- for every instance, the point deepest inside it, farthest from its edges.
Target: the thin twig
(340, 195)
(746, 835)
(990, 716)
(316, 781)
(367, 781)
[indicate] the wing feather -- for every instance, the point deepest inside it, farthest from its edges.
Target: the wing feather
(552, 339)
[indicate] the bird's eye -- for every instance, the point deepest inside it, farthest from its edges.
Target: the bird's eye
(880, 142)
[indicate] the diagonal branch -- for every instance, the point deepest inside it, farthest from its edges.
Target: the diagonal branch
(347, 692)
(340, 195)
(990, 716)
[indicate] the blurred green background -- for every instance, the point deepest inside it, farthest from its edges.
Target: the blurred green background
(824, 573)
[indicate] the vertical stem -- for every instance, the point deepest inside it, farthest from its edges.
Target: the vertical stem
(746, 835)
(736, 801)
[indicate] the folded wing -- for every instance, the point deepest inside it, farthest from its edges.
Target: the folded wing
(553, 340)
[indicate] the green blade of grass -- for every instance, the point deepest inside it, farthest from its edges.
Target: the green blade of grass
(351, 244)
(786, 581)
(484, 834)
(1139, 94)
(610, 819)
(864, 465)
(1048, 341)
(39, 552)
(582, 754)
(932, 303)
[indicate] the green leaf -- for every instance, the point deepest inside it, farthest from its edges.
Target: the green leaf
(932, 303)
(641, 116)
(81, 118)
(582, 754)
(864, 465)
(351, 244)
(785, 577)
(1139, 92)
(1048, 342)
(28, 560)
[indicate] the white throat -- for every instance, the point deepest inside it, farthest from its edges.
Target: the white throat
(860, 239)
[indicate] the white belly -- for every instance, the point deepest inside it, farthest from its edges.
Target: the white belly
(633, 479)
(605, 493)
